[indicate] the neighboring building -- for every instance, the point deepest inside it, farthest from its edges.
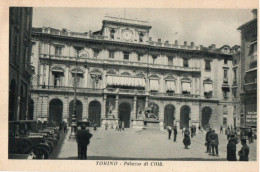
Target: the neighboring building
(249, 72)
(20, 70)
(121, 70)
(236, 86)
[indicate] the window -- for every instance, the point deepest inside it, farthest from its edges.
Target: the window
(111, 54)
(186, 87)
(224, 122)
(126, 56)
(96, 53)
(170, 61)
(225, 50)
(58, 51)
(225, 109)
(207, 65)
(112, 34)
(141, 36)
(225, 73)
(185, 62)
(225, 61)
(225, 94)
(235, 93)
(208, 89)
(57, 79)
(235, 77)
(154, 58)
(138, 57)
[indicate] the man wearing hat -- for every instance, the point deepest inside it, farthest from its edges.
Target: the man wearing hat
(244, 152)
(213, 138)
(208, 141)
(231, 148)
(83, 138)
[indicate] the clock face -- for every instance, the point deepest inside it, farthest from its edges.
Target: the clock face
(127, 35)
(83, 54)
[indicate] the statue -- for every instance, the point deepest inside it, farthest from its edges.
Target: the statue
(110, 110)
(149, 112)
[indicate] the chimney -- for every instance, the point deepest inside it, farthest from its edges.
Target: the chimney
(166, 42)
(192, 44)
(213, 46)
(159, 39)
(254, 11)
(185, 43)
(150, 38)
(176, 42)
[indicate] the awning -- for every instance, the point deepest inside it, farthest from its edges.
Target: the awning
(208, 88)
(186, 87)
(154, 84)
(170, 86)
(125, 81)
(57, 69)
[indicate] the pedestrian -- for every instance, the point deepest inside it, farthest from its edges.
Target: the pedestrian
(95, 127)
(221, 129)
(231, 148)
(123, 126)
(213, 137)
(169, 129)
(183, 129)
(244, 152)
(250, 136)
(186, 140)
(83, 139)
(79, 148)
(106, 126)
(65, 129)
(117, 127)
(208, 141)
(120, 127)
(175, 133)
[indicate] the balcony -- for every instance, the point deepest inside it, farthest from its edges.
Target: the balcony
(175, 95)
(30, 70)
(121, 63)
(125, 91)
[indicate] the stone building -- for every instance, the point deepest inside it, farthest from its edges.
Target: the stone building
(20, 70)
(248, 72)
(120, 70)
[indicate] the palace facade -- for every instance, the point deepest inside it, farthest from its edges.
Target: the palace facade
(120, 70)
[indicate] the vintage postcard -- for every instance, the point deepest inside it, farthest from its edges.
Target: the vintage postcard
(99, 86)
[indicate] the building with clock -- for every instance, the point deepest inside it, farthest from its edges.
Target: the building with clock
(119, 71)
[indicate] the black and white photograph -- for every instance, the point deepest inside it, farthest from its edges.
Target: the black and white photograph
(132, 84)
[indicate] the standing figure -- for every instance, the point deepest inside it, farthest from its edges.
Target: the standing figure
(250, 136)
(175, 133)
(231, 148)
(208, 141)
(213, 137)
(65, 127)
(244, 152)
(221, 129)
(106, 126)
(169, 129)
(83, 138)
(186, 139)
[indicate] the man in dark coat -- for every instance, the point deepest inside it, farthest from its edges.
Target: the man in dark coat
(83, 138)
(213, 137)
(186, 140)
(244, 152)
(175, 133)
(231, 148)
(208, 141)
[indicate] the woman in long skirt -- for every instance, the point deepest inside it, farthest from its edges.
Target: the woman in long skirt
(186, 139)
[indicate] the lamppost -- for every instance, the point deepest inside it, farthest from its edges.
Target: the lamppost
(74, 115)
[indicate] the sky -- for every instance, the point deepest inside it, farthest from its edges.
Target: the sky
(201, 26)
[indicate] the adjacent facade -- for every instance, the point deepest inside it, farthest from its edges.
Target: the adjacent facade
(20, 69)
(248, 72)
(120, 70)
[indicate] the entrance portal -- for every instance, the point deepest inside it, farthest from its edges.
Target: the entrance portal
(206, 114)
(169, 115)
(78, 111)
(124, 114)
(55, 111)
(94, 113)
(185, 117)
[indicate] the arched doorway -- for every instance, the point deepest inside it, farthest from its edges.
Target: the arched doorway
(12, 100)
(169, 115)
(185, 116)
(55, 111)
(30, 110)
(124, 114)
(79, 109)
(94, 111)
(156, 109)
(206, 115)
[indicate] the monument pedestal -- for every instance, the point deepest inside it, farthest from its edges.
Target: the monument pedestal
(110, 122)
(138, 123)
(151, 124)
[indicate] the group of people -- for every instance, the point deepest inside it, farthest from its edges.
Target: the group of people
(212, 142)
(173, 129)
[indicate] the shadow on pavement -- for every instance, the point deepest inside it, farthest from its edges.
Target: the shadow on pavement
(57, 149)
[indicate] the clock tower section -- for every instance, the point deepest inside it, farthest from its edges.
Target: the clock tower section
(125, 30)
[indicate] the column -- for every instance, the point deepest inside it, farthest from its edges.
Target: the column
(161, 84)
(116, 106)
(178, 85)
(134, 108)
(86, 78)
(65, 112)
(104, 78)
(103, 113)
(193, 86)
(147, 88)
(48, 75)
(177, 115)
(85, 109)
(41, 75)
(66, 76)
(146, 102)
(35, 100)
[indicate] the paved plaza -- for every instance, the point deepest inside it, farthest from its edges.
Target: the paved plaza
(133, 144)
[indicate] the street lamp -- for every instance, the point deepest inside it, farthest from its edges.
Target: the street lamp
(74, 115)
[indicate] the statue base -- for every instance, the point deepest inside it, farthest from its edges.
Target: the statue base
(111, 122)
(151, 124)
